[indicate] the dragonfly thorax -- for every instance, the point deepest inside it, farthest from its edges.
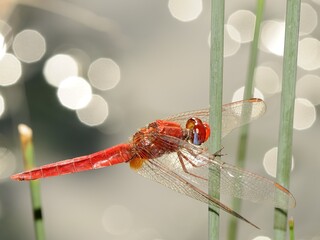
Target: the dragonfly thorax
(149, 142)
(153, 141)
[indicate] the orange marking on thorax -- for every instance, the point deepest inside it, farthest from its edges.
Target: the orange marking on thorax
(136, 163)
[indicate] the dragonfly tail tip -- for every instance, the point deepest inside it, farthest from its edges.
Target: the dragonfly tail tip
(18, 177)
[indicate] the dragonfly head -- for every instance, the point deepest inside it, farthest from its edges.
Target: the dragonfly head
(198, 131)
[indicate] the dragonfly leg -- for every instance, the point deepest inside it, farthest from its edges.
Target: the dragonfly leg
(216, 154)
(219, 153)
(181, 157)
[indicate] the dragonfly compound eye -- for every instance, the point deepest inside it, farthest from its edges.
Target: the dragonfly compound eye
(199, 131)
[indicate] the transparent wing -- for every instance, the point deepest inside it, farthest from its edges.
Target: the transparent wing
(159, 172)
(189, 167)
(250, 186)
(234, 114)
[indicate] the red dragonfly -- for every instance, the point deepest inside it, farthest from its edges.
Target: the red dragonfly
(173, 152)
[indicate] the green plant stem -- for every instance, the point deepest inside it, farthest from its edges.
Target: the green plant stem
(291, 229)
(28, 157)
(215, 118)
(287, 110)
(244, 131)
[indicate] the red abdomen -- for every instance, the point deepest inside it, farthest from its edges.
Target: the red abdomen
(110, 156)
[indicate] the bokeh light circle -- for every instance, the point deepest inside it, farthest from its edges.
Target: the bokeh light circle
(261, 238)
(270, 162)
(5, 37)
(185, 10)
(104, 74)
(238, 94)
(308, 19)
(243, 21)
(3, 46)
(11, 70)
(29, 46)
(308, 87)
(232, 40)
(272, 36)
(59, 67)
(2, 105)
(74, 93)
(95, 113)
(267, 80)
(309, 54)
(304, 114)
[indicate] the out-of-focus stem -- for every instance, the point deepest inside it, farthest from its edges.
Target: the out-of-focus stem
(291, 229)
(244, 131)
(28, 157)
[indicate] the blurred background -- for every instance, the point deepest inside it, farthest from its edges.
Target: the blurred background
(85, 75)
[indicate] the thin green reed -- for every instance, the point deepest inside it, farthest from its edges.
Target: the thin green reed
(216, 76)
(287, 110)
(248, 93)
(291, 229)
(28, 157)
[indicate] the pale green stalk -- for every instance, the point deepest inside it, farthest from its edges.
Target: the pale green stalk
(291, 229)
(244, 131)
(287, 110)
(28, 157)
(216, 76)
